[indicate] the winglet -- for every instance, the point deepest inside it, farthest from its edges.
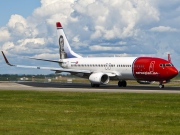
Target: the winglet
(169, 58)
(6, 60)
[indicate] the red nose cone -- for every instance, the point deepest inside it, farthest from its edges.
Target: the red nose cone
(174, 72)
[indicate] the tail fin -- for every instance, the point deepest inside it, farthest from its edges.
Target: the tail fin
(64, 47)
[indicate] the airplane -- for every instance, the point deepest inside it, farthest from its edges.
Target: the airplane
(100, 70)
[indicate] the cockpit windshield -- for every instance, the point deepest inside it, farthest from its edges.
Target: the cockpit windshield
(166, 65)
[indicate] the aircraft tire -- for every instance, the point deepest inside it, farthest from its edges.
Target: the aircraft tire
(161, 86)
(95, 85)
(122, 83)
(92, 85)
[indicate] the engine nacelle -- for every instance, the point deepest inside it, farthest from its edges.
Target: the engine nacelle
(99, 78)
(145, 82)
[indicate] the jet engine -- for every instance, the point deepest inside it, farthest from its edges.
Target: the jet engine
(99, 78)
(145, 82)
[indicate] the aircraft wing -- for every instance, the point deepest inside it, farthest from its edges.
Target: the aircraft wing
(58, 70)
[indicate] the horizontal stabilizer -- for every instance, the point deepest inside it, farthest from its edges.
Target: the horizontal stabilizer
(56, 61)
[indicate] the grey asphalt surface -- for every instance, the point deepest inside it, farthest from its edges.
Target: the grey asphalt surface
(78, 87)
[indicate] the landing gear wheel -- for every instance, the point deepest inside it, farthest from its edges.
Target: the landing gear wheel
(161, 86)
(92, 85)
(95, 85)
(122, 83)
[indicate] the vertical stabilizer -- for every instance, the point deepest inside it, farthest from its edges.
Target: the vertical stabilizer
(64, 47)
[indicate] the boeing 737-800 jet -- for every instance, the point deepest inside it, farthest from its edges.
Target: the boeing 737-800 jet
(100, 70)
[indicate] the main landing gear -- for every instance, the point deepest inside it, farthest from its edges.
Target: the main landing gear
(122, 83)
(95, 85)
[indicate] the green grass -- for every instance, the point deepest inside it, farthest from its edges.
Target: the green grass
(31, 113)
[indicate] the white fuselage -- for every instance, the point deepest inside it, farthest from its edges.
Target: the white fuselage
(121, 66)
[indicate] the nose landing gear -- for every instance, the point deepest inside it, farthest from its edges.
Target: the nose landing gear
(161, 85)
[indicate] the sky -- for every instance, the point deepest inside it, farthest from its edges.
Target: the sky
(93, 28)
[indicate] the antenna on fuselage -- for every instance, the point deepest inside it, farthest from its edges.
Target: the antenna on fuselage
(169, 58)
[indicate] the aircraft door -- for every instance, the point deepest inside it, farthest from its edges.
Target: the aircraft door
(108, 66)
(68, 65)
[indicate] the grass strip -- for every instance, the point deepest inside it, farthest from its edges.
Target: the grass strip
(35, 112)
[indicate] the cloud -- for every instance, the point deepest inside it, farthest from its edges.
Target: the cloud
(163, 29)
(100, 20)
(8, 46)
(47, 55)
(105, 48)
(53, 11)
(4, 34)
(117, 19)
(15, 20)
(131, 27)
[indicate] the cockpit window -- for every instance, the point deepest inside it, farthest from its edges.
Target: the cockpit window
(162, 65)
(166, 65)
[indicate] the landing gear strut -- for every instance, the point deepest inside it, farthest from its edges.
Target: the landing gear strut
(161, 85)
(122, 83)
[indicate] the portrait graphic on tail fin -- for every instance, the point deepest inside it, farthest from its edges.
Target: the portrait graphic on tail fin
(65, 50)
(63, 54)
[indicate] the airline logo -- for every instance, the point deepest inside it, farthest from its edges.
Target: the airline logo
(151, 66)
(75, 62)
(147, 71)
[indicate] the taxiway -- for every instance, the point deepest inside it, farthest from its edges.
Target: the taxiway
(78, 87)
